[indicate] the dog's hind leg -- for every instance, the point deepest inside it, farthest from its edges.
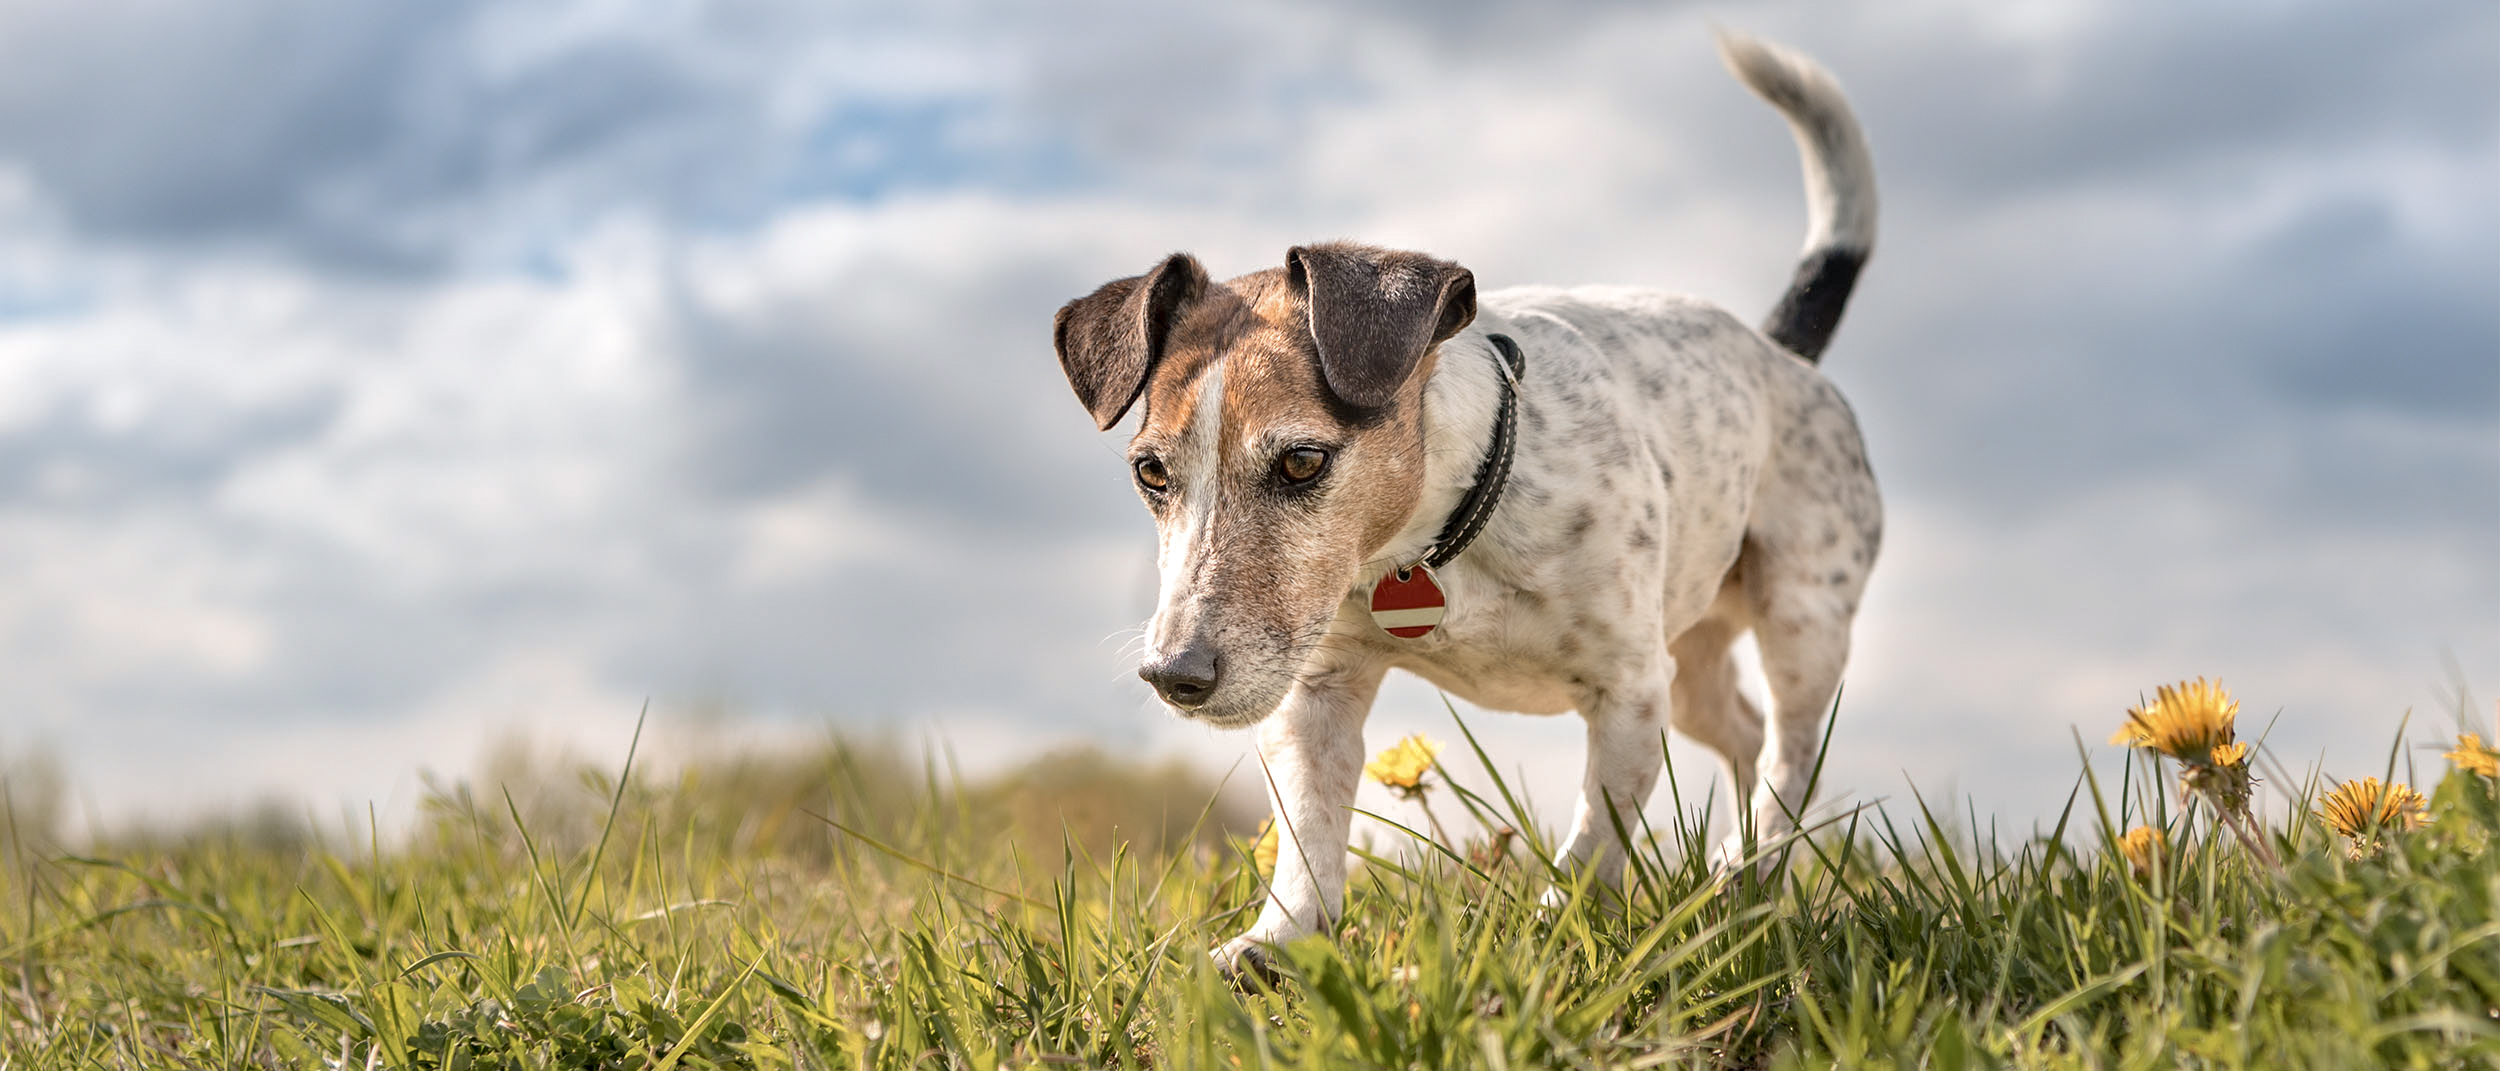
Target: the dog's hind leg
(1710, 707)
(1802, 607)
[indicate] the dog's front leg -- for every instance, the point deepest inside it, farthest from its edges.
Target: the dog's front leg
(1626, 743)
(1312, 753)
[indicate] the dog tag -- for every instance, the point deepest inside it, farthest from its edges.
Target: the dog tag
(1408, 608)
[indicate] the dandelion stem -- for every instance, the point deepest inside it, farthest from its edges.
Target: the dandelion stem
(1432, 820)
(2254, 841)
(2251, 840)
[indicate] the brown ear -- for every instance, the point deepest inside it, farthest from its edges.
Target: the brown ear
(1374, 313)
(1109, 340)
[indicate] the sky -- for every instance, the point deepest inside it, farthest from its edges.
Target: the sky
(379, 381)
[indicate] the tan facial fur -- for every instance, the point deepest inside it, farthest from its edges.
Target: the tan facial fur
(1251, 564)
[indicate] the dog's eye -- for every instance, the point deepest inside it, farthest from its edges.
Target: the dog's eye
(1150, 474)
(1302, 464)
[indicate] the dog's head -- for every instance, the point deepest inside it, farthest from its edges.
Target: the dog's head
(1282, 445)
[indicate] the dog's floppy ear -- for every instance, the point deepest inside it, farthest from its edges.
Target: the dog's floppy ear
(1374, 313)
(1110, 340)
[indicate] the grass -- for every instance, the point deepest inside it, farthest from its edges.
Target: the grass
(844, 909)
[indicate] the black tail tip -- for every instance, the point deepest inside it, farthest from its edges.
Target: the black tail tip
(1809, 312)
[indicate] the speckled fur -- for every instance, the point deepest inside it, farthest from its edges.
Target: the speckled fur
(1679, 481)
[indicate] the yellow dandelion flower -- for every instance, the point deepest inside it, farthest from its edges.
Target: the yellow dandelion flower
(2472, 755)
(2363, 808)
(1402, 767)
(2186, 721)
(2192, 722)
(1264, 852)
(2143, 848)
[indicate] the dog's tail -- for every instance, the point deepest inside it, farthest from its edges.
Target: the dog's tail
(1840, 187)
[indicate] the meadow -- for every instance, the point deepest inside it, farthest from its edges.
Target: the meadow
(852, 906)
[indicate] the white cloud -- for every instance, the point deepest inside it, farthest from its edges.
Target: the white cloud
(673, 411)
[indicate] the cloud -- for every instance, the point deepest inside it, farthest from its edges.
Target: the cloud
(373, 378)
(781, 470)
(405, 137)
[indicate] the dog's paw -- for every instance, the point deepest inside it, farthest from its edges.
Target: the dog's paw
(1247, 962)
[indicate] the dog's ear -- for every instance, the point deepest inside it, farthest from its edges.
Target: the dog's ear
(1110, 340)
(1375, 312)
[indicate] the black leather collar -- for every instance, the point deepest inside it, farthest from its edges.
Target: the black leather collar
(1468, 520)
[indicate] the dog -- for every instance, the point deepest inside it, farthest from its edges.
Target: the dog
(1540, 500)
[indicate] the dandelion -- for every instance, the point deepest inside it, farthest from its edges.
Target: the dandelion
(1264, 852)
(1402, 767)
(2472, 755)
(2364, 811)
(2365, 806)
(2187, 721)
(2144, 847)
(2194, 722)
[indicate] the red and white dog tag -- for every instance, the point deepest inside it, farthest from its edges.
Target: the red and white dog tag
(1408, 604)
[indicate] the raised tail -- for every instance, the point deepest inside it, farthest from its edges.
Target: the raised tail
(1840, 187)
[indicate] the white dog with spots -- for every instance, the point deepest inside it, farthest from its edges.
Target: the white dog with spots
(1674, 478)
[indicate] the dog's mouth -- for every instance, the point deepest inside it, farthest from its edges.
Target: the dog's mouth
(1238, 703)
(1242, 717)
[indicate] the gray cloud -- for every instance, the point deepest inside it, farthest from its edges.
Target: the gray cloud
(2357, 314)
(169, 121)
(2182, 99)
(916, 412)
(491, 363)
(417, 138)
(386, 137)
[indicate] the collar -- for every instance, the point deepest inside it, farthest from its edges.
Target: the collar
(1468, 520)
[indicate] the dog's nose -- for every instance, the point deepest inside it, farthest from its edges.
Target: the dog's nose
(1185, 678)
